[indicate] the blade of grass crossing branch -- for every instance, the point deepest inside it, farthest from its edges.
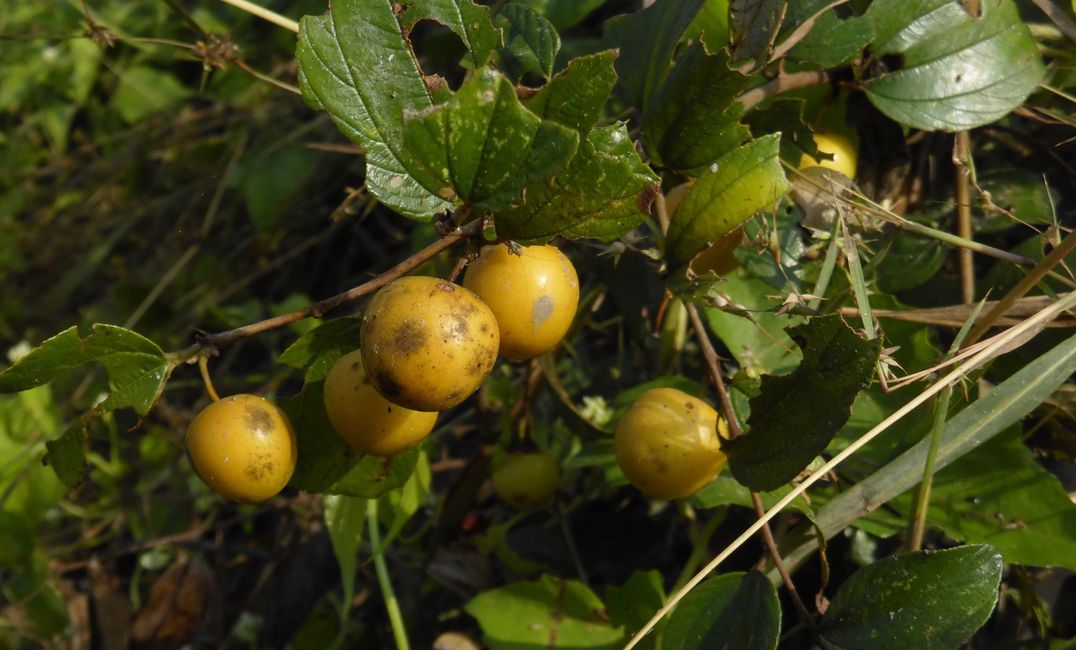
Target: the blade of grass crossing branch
(859, 284)
(828, 264)
(998, 345)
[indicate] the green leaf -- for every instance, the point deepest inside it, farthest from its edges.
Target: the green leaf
(66, 455)
(530, 42)
(1020, 192)
(631, 604)
(143, 91)
(344, 519)
(759, 344)
(910, 262)
(711, 25)
(356, 64)
(564, 13)
(957, 72)
(468, 20)
(928, 600)
(738, 185)
(575, 96)
(483, 146)
(137, 368)
(327, 464)
(548, 612)
(753, 26)
(832, 41)
(271, 183)
(647, 40)
(725, 490)
(999, 494)
(603, 193)
(693, 119)
(795, 416)
(733, 611)
(16, 539)
(316, 351)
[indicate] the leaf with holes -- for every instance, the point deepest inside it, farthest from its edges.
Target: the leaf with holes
(795, 416)
(355, 63)
(468, 20)
(956, 71)
(483, 146)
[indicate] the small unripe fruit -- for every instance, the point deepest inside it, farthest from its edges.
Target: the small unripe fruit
(244, 447)
(364, 419)
(667, 443)
(533, 295)
(840, 147)
(427, 344)
(527, 481)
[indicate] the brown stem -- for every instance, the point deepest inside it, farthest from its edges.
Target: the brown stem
(771, 548)
(221, 339)
(962, 194)
(714, 362)
(1057, 14)
(781, 84)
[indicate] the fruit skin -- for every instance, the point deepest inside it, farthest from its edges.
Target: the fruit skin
(427, 344)
(364, 419)
(527, 481)
(841, 147)
(533, 295)
(667, 443)
(244, 447)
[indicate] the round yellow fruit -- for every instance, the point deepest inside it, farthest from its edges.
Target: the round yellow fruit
(667, 443)
(841, 147)
(364, 419)
(533, 295)
(243, 446)
(427, 343)
(527, 481)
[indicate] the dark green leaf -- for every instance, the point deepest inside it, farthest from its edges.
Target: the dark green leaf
(530, 42)
(759, 344)
(356, 64)
(927, 600)
(957, 72)
(16, 539)
(833, 40)
(909, 262)
(693, 119)
(647, 40)
(796, 415)
(468, 20)
(272, 182)
(604, 192)
(66, 455)
(575, 97)
(753, 26)
(316, 351)
(734, 611)
(564, 13)
(548, 612)
(327, 464)
(483, 146)
(711, 25)
(632, 604)
(738, 185)
(137, 368)
(1020, 192)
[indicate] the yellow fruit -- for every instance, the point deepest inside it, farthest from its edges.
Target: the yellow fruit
(427, 344)
(243, 446)
(533, 296)
(842, 149)
(667, 443)
(527, 481)
(364, 419)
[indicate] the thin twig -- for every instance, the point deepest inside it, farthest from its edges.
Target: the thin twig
(261, 76)
(771, 548)
(264, 14)
(221, 339)
(714, 363)
(962, 195)
(997, 345)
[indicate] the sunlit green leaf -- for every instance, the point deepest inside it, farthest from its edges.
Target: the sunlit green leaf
(575, 96)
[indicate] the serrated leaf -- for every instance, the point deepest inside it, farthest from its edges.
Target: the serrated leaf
(957, 72)
(736, 186)
(753, 26)
(796, 415)
(575, 96)
(647, 40)
(137, 368)
(832, 41)
(66, 455)
(356, 64)
(733, 611)
(929, 600)
(530, 42)
(327, 464)
(316, 351)
(468, 20)
(603, 193)
(693, 119)
(548, 612)
(630, 605)
(483, 146)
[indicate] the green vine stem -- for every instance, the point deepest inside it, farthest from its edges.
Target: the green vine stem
(392, 606)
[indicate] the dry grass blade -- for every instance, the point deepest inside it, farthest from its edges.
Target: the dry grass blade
(955, 315)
